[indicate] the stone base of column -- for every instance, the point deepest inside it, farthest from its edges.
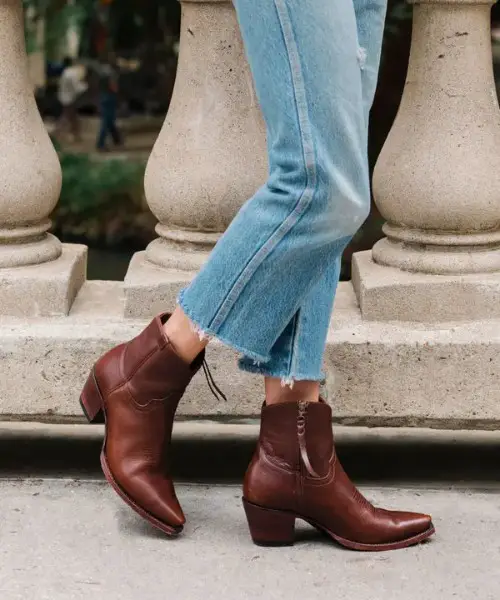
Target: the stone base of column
(389, 294)
(150, 289)
(48, 289)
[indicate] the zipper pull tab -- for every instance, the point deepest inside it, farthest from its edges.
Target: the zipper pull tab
(301, 434)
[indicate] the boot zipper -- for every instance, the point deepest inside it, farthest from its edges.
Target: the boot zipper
(301, 435)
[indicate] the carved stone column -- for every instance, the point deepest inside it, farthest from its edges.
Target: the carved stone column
(210, 156)
(437, 180)
(37, 276)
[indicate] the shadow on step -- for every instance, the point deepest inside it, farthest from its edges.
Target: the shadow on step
(378, 457)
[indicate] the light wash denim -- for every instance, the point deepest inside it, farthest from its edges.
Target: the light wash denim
(268, 287)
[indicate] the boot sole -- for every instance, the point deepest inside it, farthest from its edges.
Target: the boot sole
(100, 417)
(270, 527)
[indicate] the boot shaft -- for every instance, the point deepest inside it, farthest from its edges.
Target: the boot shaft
(148, 365)
(294, 431)
(295, 442)
(295, 473)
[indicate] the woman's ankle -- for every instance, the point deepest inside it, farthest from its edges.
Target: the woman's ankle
(278, 391)
(183, 336)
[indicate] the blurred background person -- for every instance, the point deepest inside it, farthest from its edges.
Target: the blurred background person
(108, 100)
(72, 85)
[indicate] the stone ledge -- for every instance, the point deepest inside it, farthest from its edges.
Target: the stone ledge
(150, 289)
(378, 373)
(231, 430)
(389, 294)
(44, 290)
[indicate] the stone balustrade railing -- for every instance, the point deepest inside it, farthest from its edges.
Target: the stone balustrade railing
(414, 337)
(37, 275)
(209, 158)
(436, 181)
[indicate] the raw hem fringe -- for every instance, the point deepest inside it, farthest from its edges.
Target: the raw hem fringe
(205, 332)
(286, 379)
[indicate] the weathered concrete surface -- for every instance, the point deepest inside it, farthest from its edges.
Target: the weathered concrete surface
(436, 180)
(390, 294)
(30, 173)
(440, 375)
(43, 290)
(148, 289)
(74, 539)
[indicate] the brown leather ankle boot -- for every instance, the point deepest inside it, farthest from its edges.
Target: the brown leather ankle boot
(295, 474)
(136, 388)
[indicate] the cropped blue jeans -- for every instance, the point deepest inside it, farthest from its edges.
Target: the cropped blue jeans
(268, 287)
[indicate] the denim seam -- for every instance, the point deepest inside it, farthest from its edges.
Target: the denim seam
(294, 347)
(308, 151)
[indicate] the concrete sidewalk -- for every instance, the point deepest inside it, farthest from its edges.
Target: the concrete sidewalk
(62, 540)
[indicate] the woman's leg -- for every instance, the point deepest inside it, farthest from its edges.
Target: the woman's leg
(297, 355)
(103, 133)
(370, 20)
(271, 256)
(257, 278)
(305, 63)
(295, 368)
(295, 471)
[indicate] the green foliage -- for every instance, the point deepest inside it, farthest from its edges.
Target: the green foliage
(58, 23)
(58, 19)
(100, 198)
(130, 23)
(32, 13)
(91, 185)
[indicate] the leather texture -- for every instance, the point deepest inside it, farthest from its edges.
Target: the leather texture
(141, 383)
(295, 468)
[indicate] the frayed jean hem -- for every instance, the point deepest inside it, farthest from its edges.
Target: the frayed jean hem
(286, 378)
(206, 332)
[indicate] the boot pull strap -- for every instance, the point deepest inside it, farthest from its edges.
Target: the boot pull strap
(301, 434)
(214, 388)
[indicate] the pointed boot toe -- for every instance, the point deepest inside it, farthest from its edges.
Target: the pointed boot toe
(412, 525)
(155, 493)
(136, 388)
(296, 474)
(165, 505)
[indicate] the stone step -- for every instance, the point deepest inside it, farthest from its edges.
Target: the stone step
(215, 451)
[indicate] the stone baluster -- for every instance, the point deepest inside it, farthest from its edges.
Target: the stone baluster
(210, 156)
(38, 276)
(437, 180)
